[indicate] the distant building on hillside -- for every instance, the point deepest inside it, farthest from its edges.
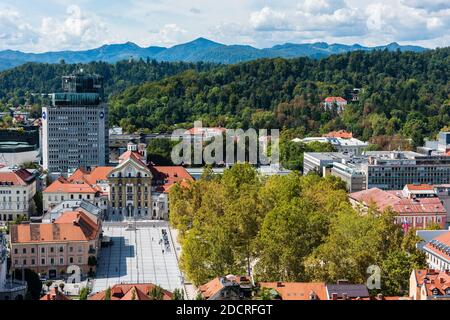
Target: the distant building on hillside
(339, 134)
(335, 103)
(344, 145)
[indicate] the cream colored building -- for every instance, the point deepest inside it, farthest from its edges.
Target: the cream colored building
(51, 248)
(17, 189)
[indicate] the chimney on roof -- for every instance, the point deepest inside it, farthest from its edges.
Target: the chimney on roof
(344, 296)
(334, 296)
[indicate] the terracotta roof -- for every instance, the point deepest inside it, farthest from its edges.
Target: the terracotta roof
(169, 175)
(125, 292)
(335, 99)
(383, 200)
(297, 290)
(91, 177)
(440, 245)
(70, 226)
(212, 287)
(54, 294)
(131, 154)
(20, 177)
(419, 187)
(380, 198)
(433, 279)
(339, 134)
(66, 186)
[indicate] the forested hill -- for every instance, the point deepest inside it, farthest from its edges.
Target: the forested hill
(402, 92)
(35, 78)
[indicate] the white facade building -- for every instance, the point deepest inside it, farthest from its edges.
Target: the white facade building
(17, 189)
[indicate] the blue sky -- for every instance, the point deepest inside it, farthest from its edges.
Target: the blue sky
(48, 25)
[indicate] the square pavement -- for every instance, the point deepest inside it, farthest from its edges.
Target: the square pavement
(138, 256)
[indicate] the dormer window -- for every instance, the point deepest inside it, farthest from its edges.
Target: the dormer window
(435, 292)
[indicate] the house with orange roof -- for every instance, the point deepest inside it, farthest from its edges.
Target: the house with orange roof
(410, 211)
(17, 189)
(54, 295)
(50, 248)
(429, 284)
(343, 134)
(88, 185)
(297, 290)
(142, 291)
(335, 103)
(230, 287)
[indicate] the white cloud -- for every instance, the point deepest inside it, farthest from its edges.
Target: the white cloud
(429, 5)
(315, 7)
(75, 31)
(169, 35)
(268, 19)
(404, 23)
(14, 31)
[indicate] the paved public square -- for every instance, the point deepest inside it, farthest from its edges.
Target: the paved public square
(138, 256)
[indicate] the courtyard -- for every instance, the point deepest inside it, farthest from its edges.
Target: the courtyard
(138, 255)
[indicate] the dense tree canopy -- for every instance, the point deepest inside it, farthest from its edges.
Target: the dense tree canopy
(286, 228)
(406, 93)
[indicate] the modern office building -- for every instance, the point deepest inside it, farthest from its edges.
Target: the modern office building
(74, 125)
(386, 170)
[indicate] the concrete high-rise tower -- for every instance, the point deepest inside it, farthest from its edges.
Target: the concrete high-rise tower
(75, 125)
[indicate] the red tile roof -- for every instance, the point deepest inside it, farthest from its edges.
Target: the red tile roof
(433, 279)
(339, 134)
(20, 177)
(211, 288)
(335, 99)
(298, 290)
(170, 175)
(132, 154)
(419, 187)
(91, 177)
(383, 200)
(126, 292)
(62, 185)
(70, 226)
(441, 243)
(54, 294)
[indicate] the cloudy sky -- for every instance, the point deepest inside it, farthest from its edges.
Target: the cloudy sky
(45, 25)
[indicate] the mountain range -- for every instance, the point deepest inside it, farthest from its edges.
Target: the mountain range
(200, 49)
